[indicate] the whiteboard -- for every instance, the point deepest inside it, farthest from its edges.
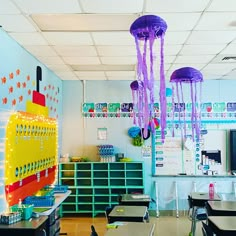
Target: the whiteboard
(173, 157)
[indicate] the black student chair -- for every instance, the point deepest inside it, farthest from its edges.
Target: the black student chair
(206, 230)
(93, 231)
(195, 215)
(108, 209)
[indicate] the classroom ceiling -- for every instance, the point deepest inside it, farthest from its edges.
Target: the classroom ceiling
(90, 39)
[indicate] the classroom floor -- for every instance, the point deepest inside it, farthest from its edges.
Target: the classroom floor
(164, 226)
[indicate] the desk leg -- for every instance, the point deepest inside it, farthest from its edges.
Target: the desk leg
(43, 232)
(176, 200)
(234, 188)
(157, 197)
(193, 223)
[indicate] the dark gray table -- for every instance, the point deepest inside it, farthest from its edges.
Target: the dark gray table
(128, 213)
(222, 208)
(135, 199)
(34, 227)
(223, 225)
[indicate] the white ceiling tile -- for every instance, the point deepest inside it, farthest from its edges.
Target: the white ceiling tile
(176, 6)
(211, 37)
(219, 68)
(16, 23)
(51, 60)
(68, 78)
(230, 49)
(223, 58)
(66, 75)
(167, 59)
(33, 38)
(211, 77)
(180, 21)
(7, 7)
(113, 38)
(231, 75)
(46, 6)
(68, 38)
(93, 78)
(103, 67)
(228, 77)
(201, 49)
(118, 78)
(119, 60)
(177, 66)
(194, 59)
(41, 50)
(112, 6)
(79, 35)
(83, 22)
(116, 50)
(90, 73)
(169, 50)
(173, 37)
(216, 21)
(81, 60)
(120, 73)
(75, 51)
(63, 68)
(219, 5)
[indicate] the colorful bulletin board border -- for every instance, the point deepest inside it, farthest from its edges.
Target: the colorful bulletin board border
(216, 112)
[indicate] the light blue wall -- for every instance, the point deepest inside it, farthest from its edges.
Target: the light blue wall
(15, 90)
(80, 134)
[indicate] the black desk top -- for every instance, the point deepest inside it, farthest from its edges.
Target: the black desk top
(204, 196)
(33, 224)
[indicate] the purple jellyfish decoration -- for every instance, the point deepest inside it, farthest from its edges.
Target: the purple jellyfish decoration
(147, 28)
(193, 77)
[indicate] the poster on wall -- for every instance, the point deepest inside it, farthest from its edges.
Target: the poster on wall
(102, 133)
(146, 151)
(168, 159)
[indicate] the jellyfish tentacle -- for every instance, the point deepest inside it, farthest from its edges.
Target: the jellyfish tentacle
(162, 90)
(182, 102)
(173, 110)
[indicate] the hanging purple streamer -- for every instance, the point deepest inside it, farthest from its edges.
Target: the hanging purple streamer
(162, 91)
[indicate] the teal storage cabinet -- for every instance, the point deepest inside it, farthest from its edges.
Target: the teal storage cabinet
(95, 185)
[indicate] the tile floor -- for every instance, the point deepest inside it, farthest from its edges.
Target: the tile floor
(164, 226)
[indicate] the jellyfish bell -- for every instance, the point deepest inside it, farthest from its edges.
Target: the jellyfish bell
(147, 26)
(186, 75)
(136, 85)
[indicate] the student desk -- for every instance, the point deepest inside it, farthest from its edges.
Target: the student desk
(34, 227)
(221, 208)
(199, 200)
(132, 228)
(135, 199)
(223, 225)
(128, 213)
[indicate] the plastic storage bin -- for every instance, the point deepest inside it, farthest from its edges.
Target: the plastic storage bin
(25, 210)
(40, 201)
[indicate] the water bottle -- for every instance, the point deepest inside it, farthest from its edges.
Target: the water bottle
(211, 191)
